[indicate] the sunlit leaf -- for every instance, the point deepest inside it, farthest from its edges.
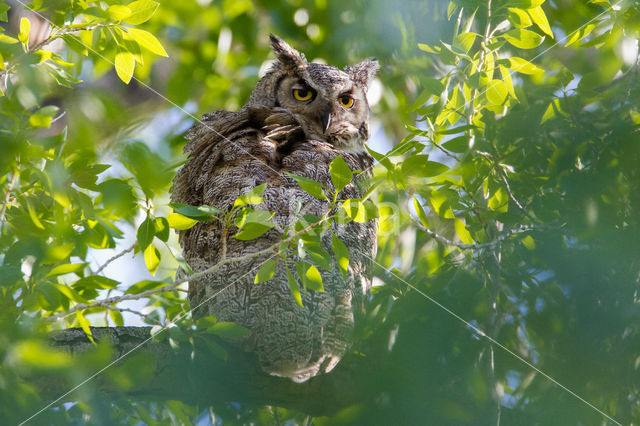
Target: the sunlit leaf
(147, 41)
(125, 63)
(266, 271)
(523, 39)
(521, 65)
(294, 288)
(540, 18)
(341, 253)
(38, 354)
(25, 29)
(463, 233)
(180, 222)
(519, 18)
(161, 228)
(118, 12)
(85, 325)
(152, 259)
(311, 278)
(252, 197)
(496, 92)
(67, 268)
(141, 11)
(43, 116)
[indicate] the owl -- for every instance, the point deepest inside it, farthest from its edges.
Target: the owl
(299, 118)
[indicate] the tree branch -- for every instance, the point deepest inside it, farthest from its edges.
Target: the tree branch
(195, 375)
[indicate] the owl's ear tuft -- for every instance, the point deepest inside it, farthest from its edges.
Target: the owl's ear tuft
(363, 72)
(287, 55)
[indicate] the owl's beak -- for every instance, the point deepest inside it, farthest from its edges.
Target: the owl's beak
(326, 119)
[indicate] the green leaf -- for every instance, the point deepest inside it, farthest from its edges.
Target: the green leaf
(539, 17)
(94, 282)
(25, 28)
(75, 43)
(116, 317)
(528, 242)
(85, 324)
(202, 213)
(526, 4)
(180, 222)
(141, 11)
(67, 268)
(520, 65)
(266, 271)
(161, 228)
(4, 7)
(463, 233)
(148, 41)
(249, 215)
(523, 39)
(519, 18)
(420, 212)
(43, 116)
(359, 211)
(294, 288)
(310, 186)
(38, 354)
(498, 201)
(429, 49)
(142, 286)
(8, 40)
(341, 173)
(253, 230)
(496, 92)
(204, 323)
(152, 259)
(146, 232)
(419, 166)
(118, 12)
(229, 330)
(458, 145)
(57, 253)
(341, 253)
(464, 41)
(125, 63)
(579, 34)
(311, 278)
(252, 197)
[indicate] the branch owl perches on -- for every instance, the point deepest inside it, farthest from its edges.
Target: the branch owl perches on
(300, 117)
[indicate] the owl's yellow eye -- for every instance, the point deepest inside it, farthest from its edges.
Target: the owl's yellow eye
(302, 94)
(346, 101)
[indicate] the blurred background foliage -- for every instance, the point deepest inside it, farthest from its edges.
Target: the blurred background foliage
(510, 194)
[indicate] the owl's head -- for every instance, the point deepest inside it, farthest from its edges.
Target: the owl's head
(330, 104)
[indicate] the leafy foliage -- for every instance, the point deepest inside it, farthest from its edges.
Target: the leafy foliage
(510, 200)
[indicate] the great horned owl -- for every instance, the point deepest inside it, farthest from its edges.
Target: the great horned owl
(299, 118)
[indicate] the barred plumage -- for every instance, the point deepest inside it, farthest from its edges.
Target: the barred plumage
(232, 152)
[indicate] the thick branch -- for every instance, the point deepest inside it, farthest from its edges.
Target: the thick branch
(195, 375)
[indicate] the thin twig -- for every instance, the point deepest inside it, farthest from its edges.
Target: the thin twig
(140, 314)
(117, 256)
(105, 303)
(462, 246)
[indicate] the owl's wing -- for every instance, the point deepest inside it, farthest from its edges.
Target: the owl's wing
(207, 141)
